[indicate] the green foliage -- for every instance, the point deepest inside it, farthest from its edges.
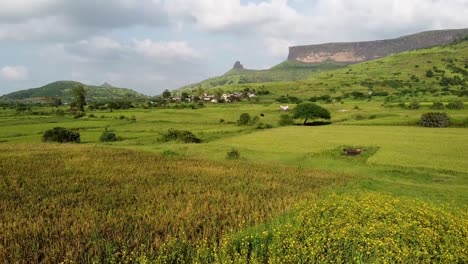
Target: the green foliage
(109, 136)
(456, 105)
(286, 120)
(59, 112)
(79, 94)
(437, 106)
(166, 94)
(233, 154)
(414, 105)
(184, 136)
(244, 119)
(62, 90)
(61, 135)
(312, 111)
(434, 119)
(78, 114)
(429, 73)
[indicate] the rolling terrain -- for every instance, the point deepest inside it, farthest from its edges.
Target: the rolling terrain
(186, 182)
(62, 90)
(427, 74)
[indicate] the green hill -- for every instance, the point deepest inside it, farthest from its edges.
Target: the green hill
(62, 90)
(286, 71)
(426, 73)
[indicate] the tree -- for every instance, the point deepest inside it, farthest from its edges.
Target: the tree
(79, 93)
(310, 110)
(166, 94)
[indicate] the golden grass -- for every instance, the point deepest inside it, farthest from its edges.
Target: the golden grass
(84, 204)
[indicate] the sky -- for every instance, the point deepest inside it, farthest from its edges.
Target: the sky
(153, 45)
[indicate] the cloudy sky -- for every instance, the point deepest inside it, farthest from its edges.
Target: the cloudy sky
(151, 45)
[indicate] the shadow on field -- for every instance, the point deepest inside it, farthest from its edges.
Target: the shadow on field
(317, 123)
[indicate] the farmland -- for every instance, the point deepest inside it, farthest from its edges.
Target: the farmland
(141, 199)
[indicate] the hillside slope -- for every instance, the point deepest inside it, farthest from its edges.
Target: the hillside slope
(286, 71)
(62, 90)
(426, 73)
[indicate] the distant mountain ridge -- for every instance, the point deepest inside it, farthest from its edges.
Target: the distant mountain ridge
(354, 52)
(62, 90)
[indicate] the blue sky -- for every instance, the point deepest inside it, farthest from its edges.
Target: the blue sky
(152, 45)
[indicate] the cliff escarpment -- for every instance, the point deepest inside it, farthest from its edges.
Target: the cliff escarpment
(354, 52)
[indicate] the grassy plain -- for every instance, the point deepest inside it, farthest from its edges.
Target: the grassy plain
(141, 199)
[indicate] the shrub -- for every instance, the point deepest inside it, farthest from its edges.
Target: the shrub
(233, 154)
(79, 114)
(414, 105)
(91, 116)
(268, 126)
(434, 119)
(59, 112)
(180, 135)
(253, 120)
(286, 120)
(429, 73)
(61, 135)
(244, 119)
(108, 136)
(437, 106)
(456, 105)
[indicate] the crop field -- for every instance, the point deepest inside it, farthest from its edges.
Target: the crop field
(289, 196)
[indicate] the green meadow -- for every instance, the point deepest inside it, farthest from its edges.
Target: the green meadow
(370, 186)
(291, 196)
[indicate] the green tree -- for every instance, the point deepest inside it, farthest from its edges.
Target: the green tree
(79, 93)
(310, 111)
(166, 94)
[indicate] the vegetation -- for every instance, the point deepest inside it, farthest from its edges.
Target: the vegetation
(87, 209)
(364, 228)
(61, 135)
(457, 105)
(109, 136)
(233, 154)
(434, 119)
(286, 120)
(244, 119)
(310, 111)
(184, 136)
(372, 187)
(62, 90)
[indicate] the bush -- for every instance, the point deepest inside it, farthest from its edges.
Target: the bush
(253, 120)
(286, 120)
(180, 135)
(61, 135)
(233, 154)
(79, 114)
(437, 106)
(434, 119)
(456, 105)
(414, 105)
(59, 112)
(108, 136)
(244, 119)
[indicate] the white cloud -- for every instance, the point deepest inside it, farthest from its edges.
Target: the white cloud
(166, 50)
(14, 73)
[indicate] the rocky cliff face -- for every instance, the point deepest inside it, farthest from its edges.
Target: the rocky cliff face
(354, 52)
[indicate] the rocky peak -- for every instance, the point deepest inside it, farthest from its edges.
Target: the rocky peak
(238, 66)
(107, 85)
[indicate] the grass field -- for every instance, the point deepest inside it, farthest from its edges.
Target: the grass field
(291, 197)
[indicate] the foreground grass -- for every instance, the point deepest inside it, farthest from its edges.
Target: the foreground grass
(84, 204)
(359, 228)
